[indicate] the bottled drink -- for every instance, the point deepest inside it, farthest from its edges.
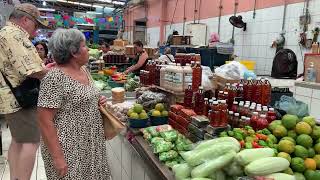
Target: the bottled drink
(220, 95)
(254, 120)
(215, 114)
(225, 96)
(242, 121)
(227, 87)
(187, 75)
(245, 90)
(196, 76)
(234, 107)
(262, 122)
(177, 79)
(236, 120)
(230, 118)
(257, 93)
(188, 96)
(206, 107)
(249, 90)
(223, 113)
(271, 115)
(199, 101)
(232, 95)
(163, 76)
(266, 92)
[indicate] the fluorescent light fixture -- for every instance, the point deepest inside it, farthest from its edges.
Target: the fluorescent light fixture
(105, 1)
(93, 12)
(44, 3)
(47, 9)
(47, 17)
(81, 4)
(118, 2)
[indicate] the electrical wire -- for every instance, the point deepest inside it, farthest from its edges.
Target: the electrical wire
(199, 11)
(174, 12)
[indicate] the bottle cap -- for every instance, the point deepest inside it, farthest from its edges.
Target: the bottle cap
(230, 112)
(220, 92)
(263, 116)
(187, 64)
(206, 99)
(215, 102)
(225, 93)
(255, 113)
(243, 117)
(223, 101)
(201, 87)
(189, 84)
(228, 84)
(236, 114)
(235, 102)
(213, 98)
(252, 108)
(271, 109)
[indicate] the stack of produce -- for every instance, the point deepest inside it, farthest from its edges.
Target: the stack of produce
(299, 142)
(249, 139)
(221, 158)
(180, 118)
(137, 112)
(120, 109)
(131, 84)
(167, 143)
(101, 81)
(159, 111)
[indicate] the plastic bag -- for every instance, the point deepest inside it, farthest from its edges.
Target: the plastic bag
(153, 131)
(147, 136)
(170, 136)
(156, 140)
(149, 99)
(206, 78)
(165, 156)
(181, 171)
(291, 106)
(234, 70)
(170, 164)
(162, 146)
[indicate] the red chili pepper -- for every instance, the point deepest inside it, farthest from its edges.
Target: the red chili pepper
(242, 143)
(262, 137)
(256, 145)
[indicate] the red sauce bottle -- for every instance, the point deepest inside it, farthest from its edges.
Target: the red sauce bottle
(215, 114)
(206, 107)
(234, 107)
(271, 115)
(223, 113)
(262, 122)
(199, 101)
(230, 118)
(236, 120)
(254, 120)
(266, 92)
(196, 76)
(188, 96)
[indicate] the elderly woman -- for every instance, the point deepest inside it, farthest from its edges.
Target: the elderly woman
(167, 57)
(73, 144)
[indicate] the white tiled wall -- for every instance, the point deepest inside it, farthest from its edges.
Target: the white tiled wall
(309, 96)
(125, 163)
(254, 44)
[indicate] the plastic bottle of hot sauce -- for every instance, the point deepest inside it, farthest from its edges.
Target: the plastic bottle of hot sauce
(223, 113)
(254, 119)
(266, 92)
(196, 76)
(215, 115)
(256, 94)
(230, 118)
(206, 107)
(236, 120)
(199, 101)
(271, 115)
(249, 90)
(234, 107)
(220, 95)
(188, 96)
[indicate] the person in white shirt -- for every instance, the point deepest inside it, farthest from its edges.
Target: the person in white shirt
(167, 57)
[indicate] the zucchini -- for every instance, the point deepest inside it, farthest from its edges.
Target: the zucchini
(199, 156)
(265, 166)
(205, 169)
(208, 143)
(280, 176)
(246, 156)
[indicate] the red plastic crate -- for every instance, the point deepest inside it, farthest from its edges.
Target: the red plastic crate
(172, 116)
(187, 114)
(182, 122)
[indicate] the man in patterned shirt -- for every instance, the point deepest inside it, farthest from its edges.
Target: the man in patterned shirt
(19, 60)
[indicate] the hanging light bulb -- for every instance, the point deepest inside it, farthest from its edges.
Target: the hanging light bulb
(44, 3)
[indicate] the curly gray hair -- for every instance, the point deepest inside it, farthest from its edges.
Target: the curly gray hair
(64, 43)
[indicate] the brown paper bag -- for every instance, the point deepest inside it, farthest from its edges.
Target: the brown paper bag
(112, 126)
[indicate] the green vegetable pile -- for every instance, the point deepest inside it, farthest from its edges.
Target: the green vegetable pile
(167, 143)
(249, 139)
(221, 159)
(100, 81)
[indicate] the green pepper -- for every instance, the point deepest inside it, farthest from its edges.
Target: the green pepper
(223, 134)
(263, 143)
(238, 136)
(248, 145)
(249, 139)
(265, 131)
(247, 127)
(231, 133)
(251, 132)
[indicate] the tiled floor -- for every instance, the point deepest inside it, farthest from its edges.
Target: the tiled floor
(38, 171)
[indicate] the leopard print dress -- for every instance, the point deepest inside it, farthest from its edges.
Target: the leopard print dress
(79, 127)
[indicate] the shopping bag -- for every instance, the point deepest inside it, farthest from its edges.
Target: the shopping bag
(112, 126)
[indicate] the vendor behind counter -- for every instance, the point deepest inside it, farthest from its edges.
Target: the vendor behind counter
(141, 59)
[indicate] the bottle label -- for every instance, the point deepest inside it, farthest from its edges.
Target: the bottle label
(188, 78)
(178, 78)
